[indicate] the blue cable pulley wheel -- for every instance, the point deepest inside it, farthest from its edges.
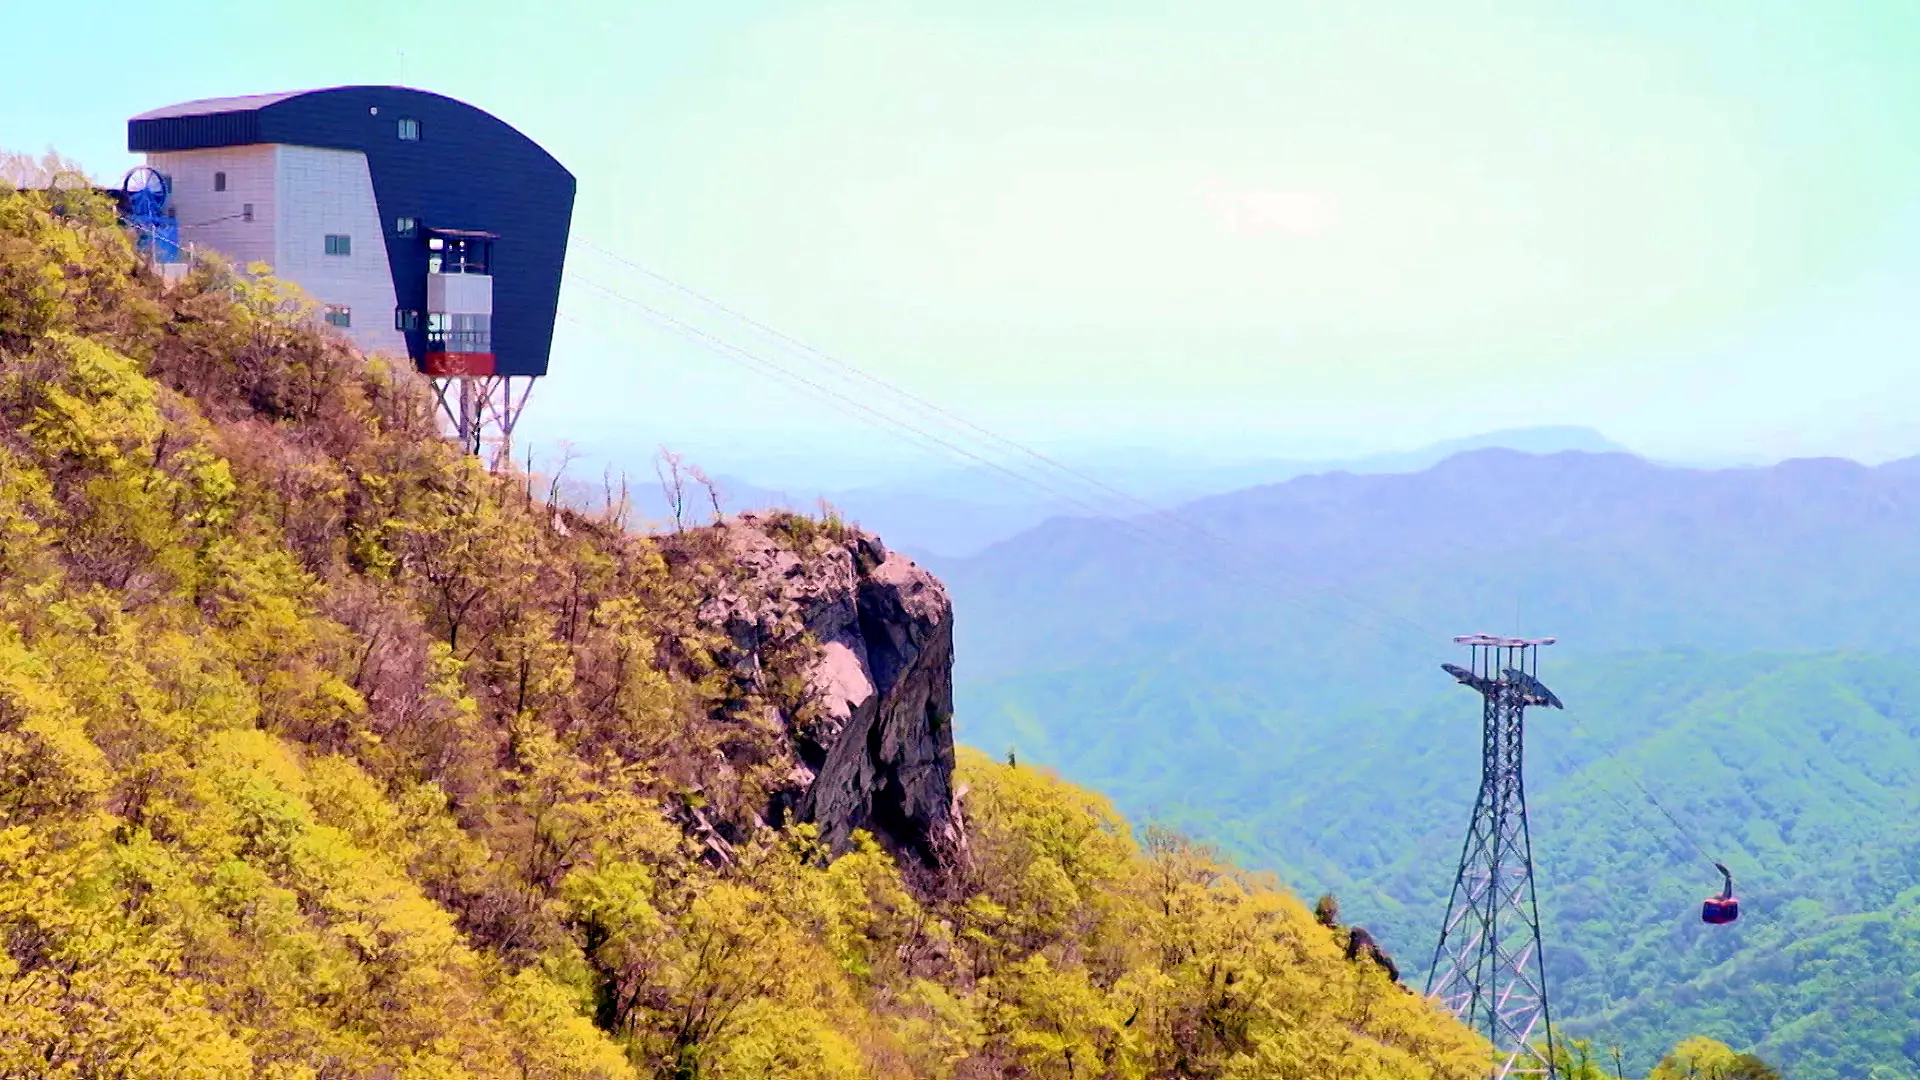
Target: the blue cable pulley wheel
(147, 189)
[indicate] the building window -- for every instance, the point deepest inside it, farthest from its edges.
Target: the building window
(459, 332)
(246, 211)
(406, 319)
(410, 130)
(458, 255)
(339, 315)
(219, 181)
(339, 245)
(406, 226)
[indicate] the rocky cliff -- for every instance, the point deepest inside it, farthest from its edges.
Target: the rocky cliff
(872, 731)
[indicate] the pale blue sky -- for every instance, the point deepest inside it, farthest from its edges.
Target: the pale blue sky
(1237, 226)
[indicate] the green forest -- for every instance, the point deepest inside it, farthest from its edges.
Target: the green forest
(326, 753)
(1798, 770)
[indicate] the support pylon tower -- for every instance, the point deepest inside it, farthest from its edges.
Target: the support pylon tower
(1487, 966)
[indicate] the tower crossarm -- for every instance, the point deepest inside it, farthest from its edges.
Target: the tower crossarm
(1469, 679)
(1535, 691)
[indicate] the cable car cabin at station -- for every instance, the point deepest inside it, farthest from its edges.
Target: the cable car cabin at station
(459, 304)
(420, 226)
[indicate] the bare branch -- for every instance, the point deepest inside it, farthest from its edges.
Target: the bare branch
(668, 466)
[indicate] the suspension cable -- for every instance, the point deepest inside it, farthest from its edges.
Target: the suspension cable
(1134, 526)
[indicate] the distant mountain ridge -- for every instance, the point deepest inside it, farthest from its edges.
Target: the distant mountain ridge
(1607, 550)
(956, 512)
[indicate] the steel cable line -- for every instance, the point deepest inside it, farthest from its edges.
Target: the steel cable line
(1684, 832)
(834, 398)
(760, 363)
(823, 359)
(900, 427)
(1634, 778)
(1566, 765)
(924, 439)
(216, 221)
(1133, 527)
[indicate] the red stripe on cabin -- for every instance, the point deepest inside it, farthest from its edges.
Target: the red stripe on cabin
(458, 363)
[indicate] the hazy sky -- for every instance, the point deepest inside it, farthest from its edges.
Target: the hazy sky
(1220, 225)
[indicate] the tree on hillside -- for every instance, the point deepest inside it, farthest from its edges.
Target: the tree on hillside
(1750, 1067)
(1327, 911)
(1573, 1060)
(671, 469)
(1701, 1058)
(24, 171)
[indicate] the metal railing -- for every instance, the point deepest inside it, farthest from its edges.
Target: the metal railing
(460, 341)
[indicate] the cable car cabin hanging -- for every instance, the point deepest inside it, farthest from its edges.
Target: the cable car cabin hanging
(1724, 908)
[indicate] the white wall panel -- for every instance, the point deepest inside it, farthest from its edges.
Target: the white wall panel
(469, 293)
(211, 220)
(330, 192)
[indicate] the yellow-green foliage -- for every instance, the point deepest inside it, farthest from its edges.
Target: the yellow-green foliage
(1701, 1058)
(1104, 959)
(325, 754)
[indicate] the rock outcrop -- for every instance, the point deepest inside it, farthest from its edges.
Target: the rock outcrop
(873, 734)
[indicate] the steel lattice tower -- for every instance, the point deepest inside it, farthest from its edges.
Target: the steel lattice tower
(1487, 967)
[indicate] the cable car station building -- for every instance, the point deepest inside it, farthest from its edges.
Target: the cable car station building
(421, 225)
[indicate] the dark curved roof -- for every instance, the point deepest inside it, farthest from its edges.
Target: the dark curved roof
(338, 117)
(467, 172)
(207, 106)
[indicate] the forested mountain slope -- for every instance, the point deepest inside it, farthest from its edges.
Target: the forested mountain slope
(324, 753)
(1742, 641)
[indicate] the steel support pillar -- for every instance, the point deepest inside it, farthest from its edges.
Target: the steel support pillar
(481, 411)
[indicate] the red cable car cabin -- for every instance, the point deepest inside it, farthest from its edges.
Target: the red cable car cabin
(1724, 908)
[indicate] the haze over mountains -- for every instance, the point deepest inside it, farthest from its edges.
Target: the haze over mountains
(937, 509)
(1604, 549)
(1739, 641)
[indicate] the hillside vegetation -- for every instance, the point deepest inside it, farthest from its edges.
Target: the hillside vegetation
(326, 754)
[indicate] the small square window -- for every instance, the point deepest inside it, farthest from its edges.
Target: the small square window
(406, 319)
(339, 315)
(246, 211)
(339, 245)
(406, 226)
(410, 130)
(219, 181)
